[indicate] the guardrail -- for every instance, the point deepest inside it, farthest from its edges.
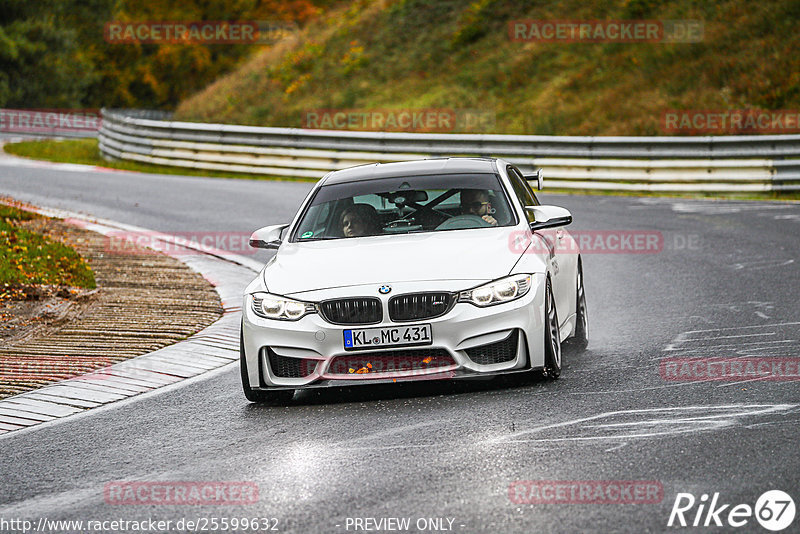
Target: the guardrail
(690, 164)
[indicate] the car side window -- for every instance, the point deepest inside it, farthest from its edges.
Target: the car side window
(529, 189)
(522, 190)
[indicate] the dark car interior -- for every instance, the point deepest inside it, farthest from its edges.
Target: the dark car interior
(402, 212)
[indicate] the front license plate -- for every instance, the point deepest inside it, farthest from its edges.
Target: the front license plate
(393, 336)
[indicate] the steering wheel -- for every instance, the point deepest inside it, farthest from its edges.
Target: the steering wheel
(423, 208)
(461, 222)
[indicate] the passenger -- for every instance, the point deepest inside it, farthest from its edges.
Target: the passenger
(476, 202)
(360, 220)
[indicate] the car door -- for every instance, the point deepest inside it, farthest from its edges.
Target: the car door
(562, 250)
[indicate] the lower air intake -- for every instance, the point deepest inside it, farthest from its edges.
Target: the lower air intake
(286, 367)
(498, 352)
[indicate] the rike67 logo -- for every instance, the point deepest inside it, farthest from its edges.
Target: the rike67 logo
(774, 510)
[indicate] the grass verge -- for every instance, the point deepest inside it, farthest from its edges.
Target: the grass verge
(28, 258)
(86, 152)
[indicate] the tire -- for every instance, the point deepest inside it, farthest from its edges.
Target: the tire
(552, 337)
(277, 397)
(580, 340)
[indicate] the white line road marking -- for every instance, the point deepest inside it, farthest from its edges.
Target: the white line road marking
(649, 422)
(700, 344)
(632, 390)
(768, 340)
(708, 338)
(719, 208)
(761, 264)
(755, 379)
(773, 423)
(705, 348)
(794, 323)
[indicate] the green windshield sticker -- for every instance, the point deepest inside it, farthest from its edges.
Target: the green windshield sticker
(306, 235)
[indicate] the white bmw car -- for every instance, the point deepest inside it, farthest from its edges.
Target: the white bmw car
(434, 269)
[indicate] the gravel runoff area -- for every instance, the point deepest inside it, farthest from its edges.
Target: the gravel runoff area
(144, 301)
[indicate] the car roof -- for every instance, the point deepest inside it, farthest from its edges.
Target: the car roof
(412, 168)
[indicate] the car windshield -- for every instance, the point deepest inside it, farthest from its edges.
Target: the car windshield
(407, 204)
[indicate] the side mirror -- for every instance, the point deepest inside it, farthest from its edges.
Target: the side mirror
(539, 177)
(548, 217)
(268, 237)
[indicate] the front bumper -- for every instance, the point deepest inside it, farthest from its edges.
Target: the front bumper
(464, 327)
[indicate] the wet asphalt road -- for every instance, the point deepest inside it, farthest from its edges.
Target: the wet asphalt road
(725, 284)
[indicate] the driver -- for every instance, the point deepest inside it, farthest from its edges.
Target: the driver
(360, 220)
(476, 202)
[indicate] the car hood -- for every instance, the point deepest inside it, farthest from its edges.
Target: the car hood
(479, 254)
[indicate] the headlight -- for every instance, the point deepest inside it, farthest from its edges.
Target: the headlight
(497, 292)
(276, 307)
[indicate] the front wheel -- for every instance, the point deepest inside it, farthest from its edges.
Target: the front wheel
(552, 336)
(281, 396)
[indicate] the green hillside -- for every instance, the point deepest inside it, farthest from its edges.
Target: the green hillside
(457, 54)
(55, 53)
